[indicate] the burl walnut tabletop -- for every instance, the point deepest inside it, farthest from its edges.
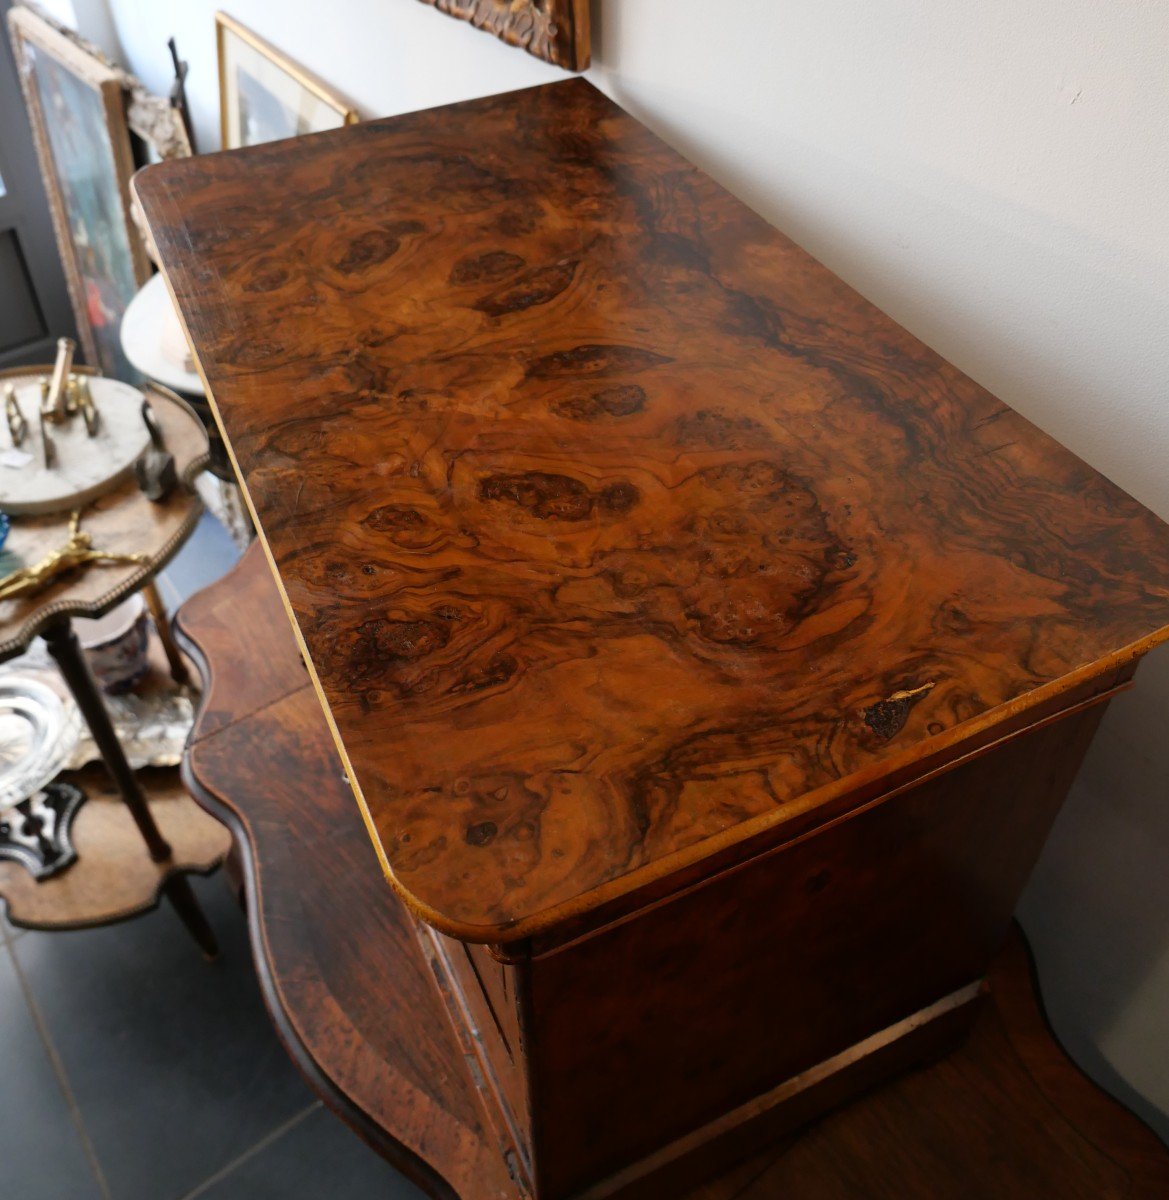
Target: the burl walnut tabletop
(623, 537)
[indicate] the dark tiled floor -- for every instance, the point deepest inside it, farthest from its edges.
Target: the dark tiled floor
(311, 1160)
(130, 1069)
(36, 1124)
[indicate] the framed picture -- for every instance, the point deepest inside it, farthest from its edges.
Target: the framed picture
(93, 125)
(554, 30)
(265, 96)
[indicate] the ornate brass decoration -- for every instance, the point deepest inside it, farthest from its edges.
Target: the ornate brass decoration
(554, 30)
(53, 401)
(17, 425)
(78, 551)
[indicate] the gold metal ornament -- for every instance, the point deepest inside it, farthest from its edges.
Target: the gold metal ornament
(54, 398)
(78, 551)
(17, 425)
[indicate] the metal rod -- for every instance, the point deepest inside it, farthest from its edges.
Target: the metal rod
(66, 650)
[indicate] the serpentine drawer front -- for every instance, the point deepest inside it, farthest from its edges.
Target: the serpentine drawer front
(694, 639)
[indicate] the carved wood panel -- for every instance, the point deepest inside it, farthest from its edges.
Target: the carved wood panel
(555, 30)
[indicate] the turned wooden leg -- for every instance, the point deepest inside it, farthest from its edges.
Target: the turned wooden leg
(178, 668)
(66, 650)
(179, 892)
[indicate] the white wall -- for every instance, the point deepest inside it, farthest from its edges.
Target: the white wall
(995, 176)
(386, 56)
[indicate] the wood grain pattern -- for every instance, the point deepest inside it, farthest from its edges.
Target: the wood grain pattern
(1006, 1117)
(618, 530)
(122, 521)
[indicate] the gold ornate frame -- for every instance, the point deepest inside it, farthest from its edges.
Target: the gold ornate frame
(554, 30)
(224, 25)
(31, 31)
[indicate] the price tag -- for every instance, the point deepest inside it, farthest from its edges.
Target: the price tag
(14, 458)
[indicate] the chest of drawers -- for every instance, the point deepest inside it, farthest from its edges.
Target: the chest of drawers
(708, 657)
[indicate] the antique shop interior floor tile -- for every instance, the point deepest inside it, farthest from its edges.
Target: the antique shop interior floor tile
(310, 1160)
(42, 1155)
(178, 1078)
(173, 1063)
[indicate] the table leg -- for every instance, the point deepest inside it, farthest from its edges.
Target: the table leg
(178, 668)
(179, 892)
(66, 650)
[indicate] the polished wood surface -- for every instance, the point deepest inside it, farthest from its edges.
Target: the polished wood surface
(619, 531)
(114, 877)
(747, 980)
(123, 521)
(1006, 1117)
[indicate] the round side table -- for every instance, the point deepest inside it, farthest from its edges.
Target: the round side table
(123, 866)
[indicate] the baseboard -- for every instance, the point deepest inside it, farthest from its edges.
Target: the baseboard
(728, 1139)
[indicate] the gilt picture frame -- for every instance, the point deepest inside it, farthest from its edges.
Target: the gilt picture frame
(76, 102)
(554, 30)
(264, 95)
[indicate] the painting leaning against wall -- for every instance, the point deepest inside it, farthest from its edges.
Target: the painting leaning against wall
(76, 103)
(264, 95)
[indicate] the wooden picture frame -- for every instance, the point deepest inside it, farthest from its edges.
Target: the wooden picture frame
(87, 157)
(287, 100)
(554, 30)
(157, 123)
(158, 132)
